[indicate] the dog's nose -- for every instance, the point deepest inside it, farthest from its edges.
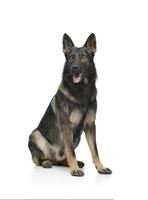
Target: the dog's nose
(75, 69)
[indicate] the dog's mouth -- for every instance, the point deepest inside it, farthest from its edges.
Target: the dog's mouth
(77, 77)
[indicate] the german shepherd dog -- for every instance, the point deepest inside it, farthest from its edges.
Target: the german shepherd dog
(71, 111)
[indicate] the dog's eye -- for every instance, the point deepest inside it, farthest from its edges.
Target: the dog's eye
(83, 56)
(71, 57)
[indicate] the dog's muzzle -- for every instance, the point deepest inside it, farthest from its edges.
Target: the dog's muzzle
(76, 74)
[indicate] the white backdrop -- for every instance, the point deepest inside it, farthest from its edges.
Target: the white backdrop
(31, 63)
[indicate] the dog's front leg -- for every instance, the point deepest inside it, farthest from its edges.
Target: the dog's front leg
(90, 133)
(70, 153)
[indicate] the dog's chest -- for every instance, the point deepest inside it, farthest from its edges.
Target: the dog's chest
(76, 116)
(82, 116)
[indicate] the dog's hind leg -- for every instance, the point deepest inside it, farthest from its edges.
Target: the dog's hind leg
(35, 152)
(40, 150)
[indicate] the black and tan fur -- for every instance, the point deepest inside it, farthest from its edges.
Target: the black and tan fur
(71, 111)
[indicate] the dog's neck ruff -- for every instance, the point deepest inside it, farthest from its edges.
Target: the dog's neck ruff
(75, 99)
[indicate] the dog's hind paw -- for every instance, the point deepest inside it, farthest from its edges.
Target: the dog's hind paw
(80, 164)
(46, 164)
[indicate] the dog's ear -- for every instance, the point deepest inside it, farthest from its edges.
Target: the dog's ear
(67, 43)
(91, 43)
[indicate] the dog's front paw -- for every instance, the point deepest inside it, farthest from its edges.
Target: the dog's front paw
(77, 173)
(104, 171)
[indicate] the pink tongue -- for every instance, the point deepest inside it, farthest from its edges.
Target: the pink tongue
(76, 79)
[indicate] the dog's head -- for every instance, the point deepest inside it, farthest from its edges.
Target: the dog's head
(79, 66)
